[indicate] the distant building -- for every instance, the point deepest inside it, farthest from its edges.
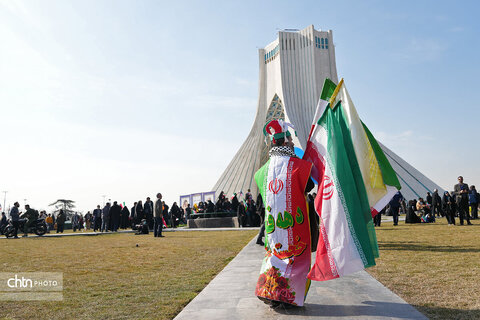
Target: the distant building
(292, 70)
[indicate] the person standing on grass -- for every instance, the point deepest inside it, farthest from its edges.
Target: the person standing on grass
(97, 219)
(125, 216)
(158, 217)
(473, 201)
(60, 221)
(448, 208)
(15, 216)
(133, 214)
(461, 198)
(395, 206)
(139, 212)
(436, 204)
(148, 212)
(106, 217)
(115, 212)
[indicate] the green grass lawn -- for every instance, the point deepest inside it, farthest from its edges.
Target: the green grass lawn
(434, 267)
(108, 277)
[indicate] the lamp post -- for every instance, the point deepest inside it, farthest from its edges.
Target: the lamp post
(104, 195)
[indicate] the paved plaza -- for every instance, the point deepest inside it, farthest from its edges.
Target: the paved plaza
(231, 296)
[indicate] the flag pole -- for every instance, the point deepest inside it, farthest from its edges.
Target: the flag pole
(335, 93)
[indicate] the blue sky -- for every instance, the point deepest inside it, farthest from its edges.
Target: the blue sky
(127, 98)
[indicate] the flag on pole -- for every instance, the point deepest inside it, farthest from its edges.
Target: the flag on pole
(327, 91)
(380, 180)
(345, 245)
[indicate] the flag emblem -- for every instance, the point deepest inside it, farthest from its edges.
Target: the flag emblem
(275, 186)
(327, 192)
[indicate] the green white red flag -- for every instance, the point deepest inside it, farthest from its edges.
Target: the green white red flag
(327, 91)
(347, 241)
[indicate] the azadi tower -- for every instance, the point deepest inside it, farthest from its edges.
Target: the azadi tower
(292, 70)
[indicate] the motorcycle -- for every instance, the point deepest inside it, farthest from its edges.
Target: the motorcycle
(39, 227)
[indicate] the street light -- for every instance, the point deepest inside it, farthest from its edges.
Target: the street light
(104, 195)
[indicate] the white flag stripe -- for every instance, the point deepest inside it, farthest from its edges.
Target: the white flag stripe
(343, 247)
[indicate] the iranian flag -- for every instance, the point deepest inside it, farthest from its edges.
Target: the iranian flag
(347, 241)
(381, 182)
(327, 91)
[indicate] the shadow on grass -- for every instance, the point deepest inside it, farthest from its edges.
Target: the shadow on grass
(403, 246)
(449, 313)
(368, 308)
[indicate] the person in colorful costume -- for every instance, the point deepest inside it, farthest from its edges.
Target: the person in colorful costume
(284, 182)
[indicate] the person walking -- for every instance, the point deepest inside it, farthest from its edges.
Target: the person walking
(395, 206)
(283, 275)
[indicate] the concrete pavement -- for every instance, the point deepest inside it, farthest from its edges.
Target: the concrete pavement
(230, 295)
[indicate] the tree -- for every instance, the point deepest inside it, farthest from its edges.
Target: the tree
(66, 205)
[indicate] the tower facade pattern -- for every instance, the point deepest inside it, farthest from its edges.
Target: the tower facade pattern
(292, 70)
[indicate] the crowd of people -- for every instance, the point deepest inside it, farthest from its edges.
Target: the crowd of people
(461, 203)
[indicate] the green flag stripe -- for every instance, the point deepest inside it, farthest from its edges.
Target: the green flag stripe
(357, 176)
(388, 174)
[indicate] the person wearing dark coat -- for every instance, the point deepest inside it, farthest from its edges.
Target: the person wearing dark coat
(124, 219)
(3, 221)
(461, 198)
(473, 201)
(210, 206)
(148, 212)
(314, 221)
(234, 202)
(429, 199)
(139, 212)
(411, 217)
(175, 215)
(261, 214)
(133, 214)
(219, 206)
(251, 214)
(165, 213)
(241, 215)
(97, 219)
(448, 207)
(115, 212)
(61, 217)
(395, 206)
(436, 204)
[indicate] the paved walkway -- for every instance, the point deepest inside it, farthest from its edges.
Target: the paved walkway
(231, 296)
